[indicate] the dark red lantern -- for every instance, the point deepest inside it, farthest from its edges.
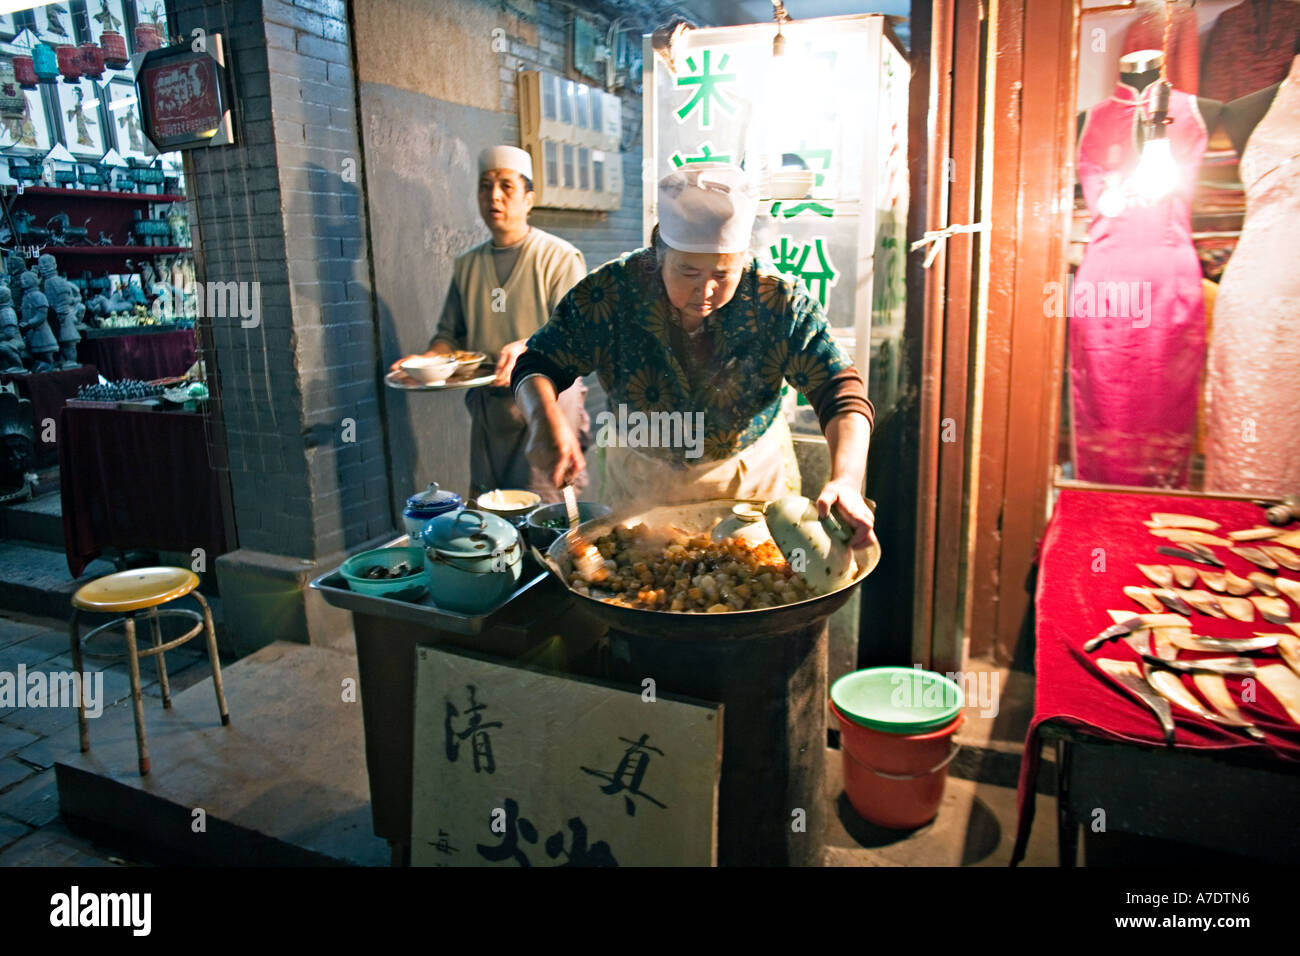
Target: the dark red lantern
(92, 60)
(69, 58)
(147, 37)
(114, 45)
(25, 71)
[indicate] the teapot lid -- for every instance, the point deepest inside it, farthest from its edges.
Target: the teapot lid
(434, 501)
(469, 534)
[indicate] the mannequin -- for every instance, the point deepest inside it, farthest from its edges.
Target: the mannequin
(1254, 417)
(1137, 331)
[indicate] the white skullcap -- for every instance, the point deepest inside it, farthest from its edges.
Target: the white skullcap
(505, 157)
(707, 207)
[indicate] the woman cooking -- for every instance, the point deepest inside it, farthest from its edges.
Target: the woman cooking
(694, 325)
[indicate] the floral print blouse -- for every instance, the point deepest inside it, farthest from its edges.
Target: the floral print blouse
(618, 323)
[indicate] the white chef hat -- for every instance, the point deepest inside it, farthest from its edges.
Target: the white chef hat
(707, 207)
(506, 157)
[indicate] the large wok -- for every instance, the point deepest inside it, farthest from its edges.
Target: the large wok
(697, 517)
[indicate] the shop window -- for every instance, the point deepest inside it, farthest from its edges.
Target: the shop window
(1178, 373)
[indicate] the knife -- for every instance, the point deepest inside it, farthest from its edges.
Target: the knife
(1115, 630)
(1128, 676)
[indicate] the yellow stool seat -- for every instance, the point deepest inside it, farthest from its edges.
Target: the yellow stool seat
(135, 590)
(125, 593)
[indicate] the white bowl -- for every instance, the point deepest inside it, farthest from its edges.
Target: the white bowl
(509, 503)
(430, 369)
(790, 183)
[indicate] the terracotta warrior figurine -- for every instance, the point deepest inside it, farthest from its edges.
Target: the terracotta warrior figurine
(11, 340)
(62, 297)
(35, 323)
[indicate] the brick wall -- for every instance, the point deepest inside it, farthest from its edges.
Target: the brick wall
(284, 208)
(422, 130)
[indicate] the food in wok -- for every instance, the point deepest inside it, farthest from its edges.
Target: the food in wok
(674, 570)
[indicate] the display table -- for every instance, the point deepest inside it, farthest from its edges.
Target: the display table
(1215, 787)
(47, 392)
(144, 354)
(137, 480)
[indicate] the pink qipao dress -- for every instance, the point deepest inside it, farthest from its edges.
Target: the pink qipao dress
(1137, 320)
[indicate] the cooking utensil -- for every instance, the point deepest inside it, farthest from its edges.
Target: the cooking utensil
(590, 565)
(699, 517)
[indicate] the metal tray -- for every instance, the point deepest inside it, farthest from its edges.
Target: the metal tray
(335, 591)
(451, 385)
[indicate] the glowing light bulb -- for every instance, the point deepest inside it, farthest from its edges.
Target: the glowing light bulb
(1112, 202)
(1157, 174)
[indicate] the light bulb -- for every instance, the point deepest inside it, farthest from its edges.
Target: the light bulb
(1112, 203)
(1157, 174)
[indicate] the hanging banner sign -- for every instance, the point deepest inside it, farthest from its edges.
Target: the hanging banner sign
(184, 98)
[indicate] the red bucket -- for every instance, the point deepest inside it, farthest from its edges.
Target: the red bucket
(896, 780)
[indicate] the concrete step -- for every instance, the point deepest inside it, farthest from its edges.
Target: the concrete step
(39, 521)
(34, 579)
(284, 784)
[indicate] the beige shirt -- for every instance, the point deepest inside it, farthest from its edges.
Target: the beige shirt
(485, 314)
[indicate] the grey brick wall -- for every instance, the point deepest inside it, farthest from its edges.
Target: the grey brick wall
(284, 208)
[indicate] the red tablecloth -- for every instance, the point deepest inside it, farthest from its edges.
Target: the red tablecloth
(136, 480)
(48, 391)
(140, 355)
(1088, 555)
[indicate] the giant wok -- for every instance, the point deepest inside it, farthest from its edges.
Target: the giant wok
(697, 517)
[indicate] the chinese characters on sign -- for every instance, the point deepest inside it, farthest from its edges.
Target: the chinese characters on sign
(475, 729)
(519, 767)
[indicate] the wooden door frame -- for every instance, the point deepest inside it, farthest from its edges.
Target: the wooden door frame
(1001, 79)
(1029, 185)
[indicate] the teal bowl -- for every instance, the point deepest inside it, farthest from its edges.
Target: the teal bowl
(408, 588)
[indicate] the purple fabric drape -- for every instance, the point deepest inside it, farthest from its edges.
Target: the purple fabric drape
(142, 355)
(136, 480)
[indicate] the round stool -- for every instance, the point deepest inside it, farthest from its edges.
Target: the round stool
(125, 593)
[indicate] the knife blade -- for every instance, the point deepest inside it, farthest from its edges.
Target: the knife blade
(1235, 666)
(1129, 676)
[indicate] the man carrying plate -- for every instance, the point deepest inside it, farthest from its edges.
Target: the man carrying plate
(502, 291)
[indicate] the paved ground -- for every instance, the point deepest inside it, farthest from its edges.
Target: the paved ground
(31, 833)
(975, 826)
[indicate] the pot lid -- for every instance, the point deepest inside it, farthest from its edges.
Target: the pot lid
(469, 534)
(434, 501)
(898, 700)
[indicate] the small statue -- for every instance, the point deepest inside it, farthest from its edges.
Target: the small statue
(97, 310)
(11, 340)
(62, 297)
(35, 323)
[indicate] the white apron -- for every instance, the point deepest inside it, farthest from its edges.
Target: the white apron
(764, 471)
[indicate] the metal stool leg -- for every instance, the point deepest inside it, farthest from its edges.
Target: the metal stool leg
(83, 729)
(159, 658)
(215, 660)
(137, 698)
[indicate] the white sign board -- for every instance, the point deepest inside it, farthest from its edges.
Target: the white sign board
(515, 767)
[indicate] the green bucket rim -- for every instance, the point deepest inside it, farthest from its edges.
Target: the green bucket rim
(877, 716)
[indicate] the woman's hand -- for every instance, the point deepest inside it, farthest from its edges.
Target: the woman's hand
(506, 360)
(849, 502)
(553, 447)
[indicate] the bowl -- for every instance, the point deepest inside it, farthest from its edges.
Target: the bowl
(430, 369)
(790, 183)
(408, 588)
(513, 504)
(549, 522)
(467, 363)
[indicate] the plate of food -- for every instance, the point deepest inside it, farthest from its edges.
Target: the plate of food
(407, 384)
(467, 363)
